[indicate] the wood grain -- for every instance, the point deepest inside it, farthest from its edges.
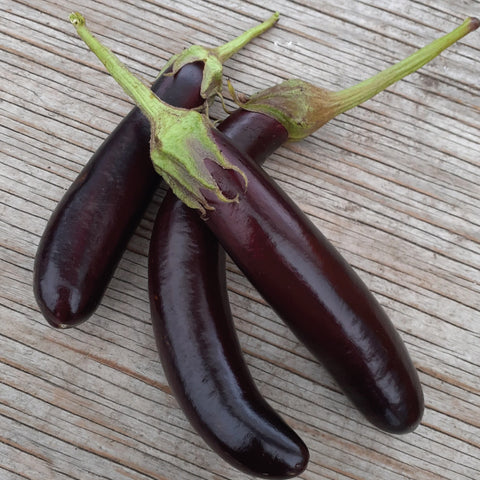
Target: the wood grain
(394, 184)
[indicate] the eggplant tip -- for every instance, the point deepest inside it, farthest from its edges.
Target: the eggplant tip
(407, 421)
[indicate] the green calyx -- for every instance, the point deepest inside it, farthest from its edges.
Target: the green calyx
(181, 139)
(214, 58)
(303, 108)
(180, 158)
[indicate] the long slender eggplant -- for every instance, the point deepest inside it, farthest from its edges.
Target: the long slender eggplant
(90, 228)
(198, 345)
(318, 294)
(289, 261)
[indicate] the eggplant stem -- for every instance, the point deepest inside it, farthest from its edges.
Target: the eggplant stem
(363, 91)
(302, 108)
(152, 107)
(224, 52)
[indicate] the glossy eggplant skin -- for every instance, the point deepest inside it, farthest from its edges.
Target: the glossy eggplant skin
(197, 341)
(202, 358)
(90, 228)
(316, 292)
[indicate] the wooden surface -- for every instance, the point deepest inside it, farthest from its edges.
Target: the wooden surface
(394, 184)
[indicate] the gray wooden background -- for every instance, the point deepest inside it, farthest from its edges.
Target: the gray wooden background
(394, 184)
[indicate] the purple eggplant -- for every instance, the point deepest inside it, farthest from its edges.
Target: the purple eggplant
(318, 294)
(90, 228)
(200, 352)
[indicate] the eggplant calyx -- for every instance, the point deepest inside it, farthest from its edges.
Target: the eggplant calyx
(214, 58)
(180, 144)
(181, 139)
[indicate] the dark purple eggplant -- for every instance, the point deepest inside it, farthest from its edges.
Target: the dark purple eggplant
(317, 293)
(196, 337)
(201, 355)
(89, 230)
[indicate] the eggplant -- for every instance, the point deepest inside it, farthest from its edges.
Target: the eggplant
(200, 352)
(89, 230)
(317, 293)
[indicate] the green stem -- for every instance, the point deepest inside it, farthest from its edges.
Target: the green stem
(151, 106)
(213, 59)
(224, 52)
(360, 93)
(302, 108)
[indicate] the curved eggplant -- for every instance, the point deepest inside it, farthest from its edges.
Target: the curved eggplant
(89, 230)
(316, 292)
(197, 342)
(201, 355)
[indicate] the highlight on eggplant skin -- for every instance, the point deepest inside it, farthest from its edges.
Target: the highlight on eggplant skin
(88, 232)
(200, 352)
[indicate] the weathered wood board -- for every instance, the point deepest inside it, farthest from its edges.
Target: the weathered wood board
(394, 184)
